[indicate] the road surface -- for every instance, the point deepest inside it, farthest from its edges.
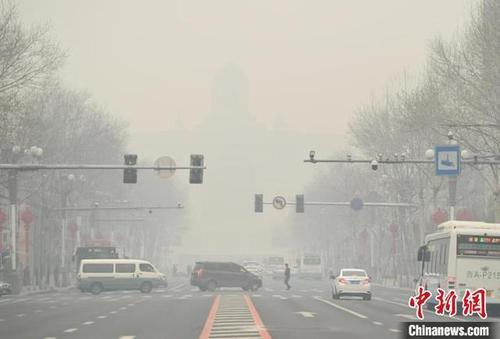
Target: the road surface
(181, 311)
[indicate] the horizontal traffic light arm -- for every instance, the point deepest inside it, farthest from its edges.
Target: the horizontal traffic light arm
(348, 203)
(408, 161)
(36, 167)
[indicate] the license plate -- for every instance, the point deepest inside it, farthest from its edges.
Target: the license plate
(355, 282)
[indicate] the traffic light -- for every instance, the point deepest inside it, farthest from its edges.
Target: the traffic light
(196, 174)
(299, 203)
(259, 203)
(130, 174)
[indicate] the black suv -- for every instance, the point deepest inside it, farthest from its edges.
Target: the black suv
(210, 275)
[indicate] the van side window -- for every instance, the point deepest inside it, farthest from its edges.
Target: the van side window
(146, 268)
(97, 268)
(125, 268)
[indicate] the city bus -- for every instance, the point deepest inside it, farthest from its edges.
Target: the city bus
(462, 255)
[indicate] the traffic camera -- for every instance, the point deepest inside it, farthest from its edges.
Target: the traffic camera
(374, 165)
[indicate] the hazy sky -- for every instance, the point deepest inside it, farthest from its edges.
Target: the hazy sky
(309, 63)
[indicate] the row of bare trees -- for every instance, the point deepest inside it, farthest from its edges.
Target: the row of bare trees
(37, 109)
(459, 91)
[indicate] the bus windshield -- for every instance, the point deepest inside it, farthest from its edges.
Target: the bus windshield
(478, 245)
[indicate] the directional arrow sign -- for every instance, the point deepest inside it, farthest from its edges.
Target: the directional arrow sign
(306, 314)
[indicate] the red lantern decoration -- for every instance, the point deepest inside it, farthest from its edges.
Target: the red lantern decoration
(439, 216)
(465, 215)
(27, 217)
(3, 218)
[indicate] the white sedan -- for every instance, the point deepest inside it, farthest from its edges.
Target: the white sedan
(351, 282)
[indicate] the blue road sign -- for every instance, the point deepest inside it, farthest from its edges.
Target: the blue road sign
(447, 160)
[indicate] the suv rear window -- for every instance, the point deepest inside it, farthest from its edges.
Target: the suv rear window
(97, 268)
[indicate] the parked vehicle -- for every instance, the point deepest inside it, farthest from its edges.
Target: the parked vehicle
(351, 282)
(94, 252)
(97, 275)
(275, 267)
(211, 275)
(5, 288)
(254, 267)
(310, 267)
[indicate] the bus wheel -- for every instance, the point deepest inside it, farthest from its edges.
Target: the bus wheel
(96, 288)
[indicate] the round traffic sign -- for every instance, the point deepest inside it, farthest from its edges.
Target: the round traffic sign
(279, 202)
(357, 204)
(165, 162)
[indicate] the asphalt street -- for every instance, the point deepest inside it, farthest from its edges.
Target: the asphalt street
(181, 311)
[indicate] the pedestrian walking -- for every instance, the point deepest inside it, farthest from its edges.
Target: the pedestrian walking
(287, 276)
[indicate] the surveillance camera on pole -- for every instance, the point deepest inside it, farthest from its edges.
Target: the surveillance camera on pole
(374, 165)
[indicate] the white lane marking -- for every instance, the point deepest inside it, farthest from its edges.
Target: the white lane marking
(113, 312)
(407, 316)
(279, 296)
(185, 296)
(127, 337)
(394, 330)
(88, 323)
(2, 320)
(52, 306)
(20, 315)
(102, 317)
(378, 323)
(406, 306)
(69, 330)
(49, 338)
(296, 296)
(316, 290)
(267, 289)
(147, 296)
(38, 311)
(166, 295)
(207, 295)
(359, 315)
(257, 295)
(306, 314)
(123, 308)
(130, 304)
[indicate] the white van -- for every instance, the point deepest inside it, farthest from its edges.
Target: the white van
(97, 275)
